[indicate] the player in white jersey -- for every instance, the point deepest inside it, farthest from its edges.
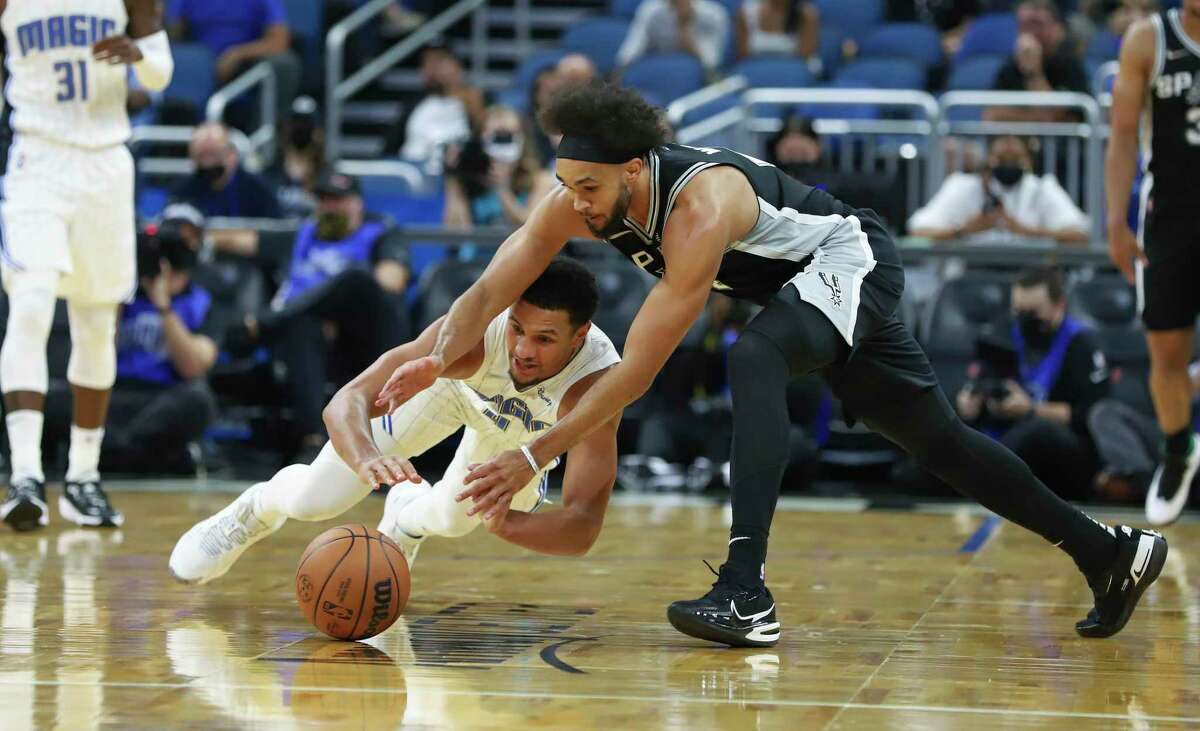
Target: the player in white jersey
(68, 225)
(534, 362)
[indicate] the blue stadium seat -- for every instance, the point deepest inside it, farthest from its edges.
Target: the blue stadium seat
(624, 8)
(194, 77)
(890, 73)
(829, 49)
(1104, 46)
(976, 72)
(533, 65)
(598, 39)
(665, 77)
(993, 34)
(914, 41)
(856, 18)
(775, 71)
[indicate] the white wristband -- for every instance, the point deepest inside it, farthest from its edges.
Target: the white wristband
(156, 67)
(529, 457)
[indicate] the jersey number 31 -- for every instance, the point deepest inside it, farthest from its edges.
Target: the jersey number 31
(71, 86)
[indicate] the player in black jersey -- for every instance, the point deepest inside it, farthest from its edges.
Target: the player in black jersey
(829, 277)
(1158, 86)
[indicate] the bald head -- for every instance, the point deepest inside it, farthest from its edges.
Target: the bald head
(213, 153)
(576, 68)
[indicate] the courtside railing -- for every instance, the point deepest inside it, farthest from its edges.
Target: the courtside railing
(261, 75)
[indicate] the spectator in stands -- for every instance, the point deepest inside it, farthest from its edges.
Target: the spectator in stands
(1042, 415)
(344, 287)
(1043, 60)
(299, 159)
(779, 27)
(240, 35)
(696, 27)
(1005, 201)
(576, 68)
(166, 345)
(496, 178)
(1129, 442)
(448, 113)
(797, 150)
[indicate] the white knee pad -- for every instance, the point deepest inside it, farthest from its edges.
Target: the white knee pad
(31, 298)
(93, 362)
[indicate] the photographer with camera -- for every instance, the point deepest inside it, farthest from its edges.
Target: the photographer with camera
(166, 344)
(1040, 412)
(495, 179)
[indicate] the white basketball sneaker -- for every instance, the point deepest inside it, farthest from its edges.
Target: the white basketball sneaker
(398, 498)
(212, 546)
(1172, 483)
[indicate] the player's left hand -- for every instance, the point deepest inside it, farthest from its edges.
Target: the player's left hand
(493, 484)
(117, 50)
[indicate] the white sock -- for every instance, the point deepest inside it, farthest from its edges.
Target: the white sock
(83, 457)
(25, 438)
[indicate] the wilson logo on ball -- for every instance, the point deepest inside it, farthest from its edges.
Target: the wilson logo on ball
(383, 605)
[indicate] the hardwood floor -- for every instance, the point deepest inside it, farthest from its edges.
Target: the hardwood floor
(892, 620)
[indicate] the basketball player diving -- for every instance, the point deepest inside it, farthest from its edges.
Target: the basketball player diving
(68, 226)
(829, 278)
(527, 369)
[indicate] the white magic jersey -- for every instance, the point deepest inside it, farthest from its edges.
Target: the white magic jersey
(57, 91)
(497, 415)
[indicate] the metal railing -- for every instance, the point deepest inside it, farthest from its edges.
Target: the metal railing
(1075, 148)
(172, 135)
(262, 139)
(410, 174)
(339, 90)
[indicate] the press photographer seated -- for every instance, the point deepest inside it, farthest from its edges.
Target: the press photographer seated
(1037, 403)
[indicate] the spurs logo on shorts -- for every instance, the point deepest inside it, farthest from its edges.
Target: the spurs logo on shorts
(835, 287)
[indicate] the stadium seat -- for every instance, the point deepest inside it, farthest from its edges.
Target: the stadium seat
(622, 290)
(598, 39)
(533, 65)
(976, 72)
(775, 72)
(624, 8)
(665, 77)
(305, 20)
(1104, 46)
(856, 18)
(993, 34)
(1108, 305)
(829, 49)
(441, 284)
(891, 73)
(914, 41)
(965, 309)
(194, 77)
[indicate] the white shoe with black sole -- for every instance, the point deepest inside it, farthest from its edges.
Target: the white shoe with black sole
(1172, 483)
(25, 507)
(85, 504)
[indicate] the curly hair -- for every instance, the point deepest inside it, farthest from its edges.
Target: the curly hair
(616, 117)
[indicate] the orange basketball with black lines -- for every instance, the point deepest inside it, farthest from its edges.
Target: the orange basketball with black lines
(352, 582)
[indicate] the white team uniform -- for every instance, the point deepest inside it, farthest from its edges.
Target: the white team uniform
(68, 189)
(497, 415)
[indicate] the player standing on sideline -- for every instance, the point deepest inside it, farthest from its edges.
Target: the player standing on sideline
(68, 220)
(830, 279)
(1158, 86)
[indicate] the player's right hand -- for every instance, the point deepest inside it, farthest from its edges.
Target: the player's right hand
(408, 380)
(387, 470)
(1123, 249)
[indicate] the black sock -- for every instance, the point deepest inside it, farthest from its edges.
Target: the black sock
(747, 554)
(1179, 443)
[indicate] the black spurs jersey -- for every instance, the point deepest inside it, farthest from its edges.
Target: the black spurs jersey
(796, 224)
(1171, 129)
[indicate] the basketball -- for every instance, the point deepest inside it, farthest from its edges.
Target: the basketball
(352, 582)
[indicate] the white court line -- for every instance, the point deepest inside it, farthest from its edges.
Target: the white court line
(1028, 713)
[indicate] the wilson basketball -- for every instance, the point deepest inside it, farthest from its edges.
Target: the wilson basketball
(352, 582)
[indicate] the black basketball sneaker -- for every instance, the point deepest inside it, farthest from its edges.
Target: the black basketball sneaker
(730, 613)
(85, 503)
(25, 508)
(1140, 558)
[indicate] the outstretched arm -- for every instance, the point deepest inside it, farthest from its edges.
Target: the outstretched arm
(587, 485)
(348, 415)
(1120, 164)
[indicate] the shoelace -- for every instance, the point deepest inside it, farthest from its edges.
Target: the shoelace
(93, 498)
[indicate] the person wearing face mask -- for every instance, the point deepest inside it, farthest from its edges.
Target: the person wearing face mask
(1004, 202)
(344, 289)
(167, 341)
(495, 179)
(300, 159)
(1043, 415)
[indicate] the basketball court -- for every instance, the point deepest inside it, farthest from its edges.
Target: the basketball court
(922, 619)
